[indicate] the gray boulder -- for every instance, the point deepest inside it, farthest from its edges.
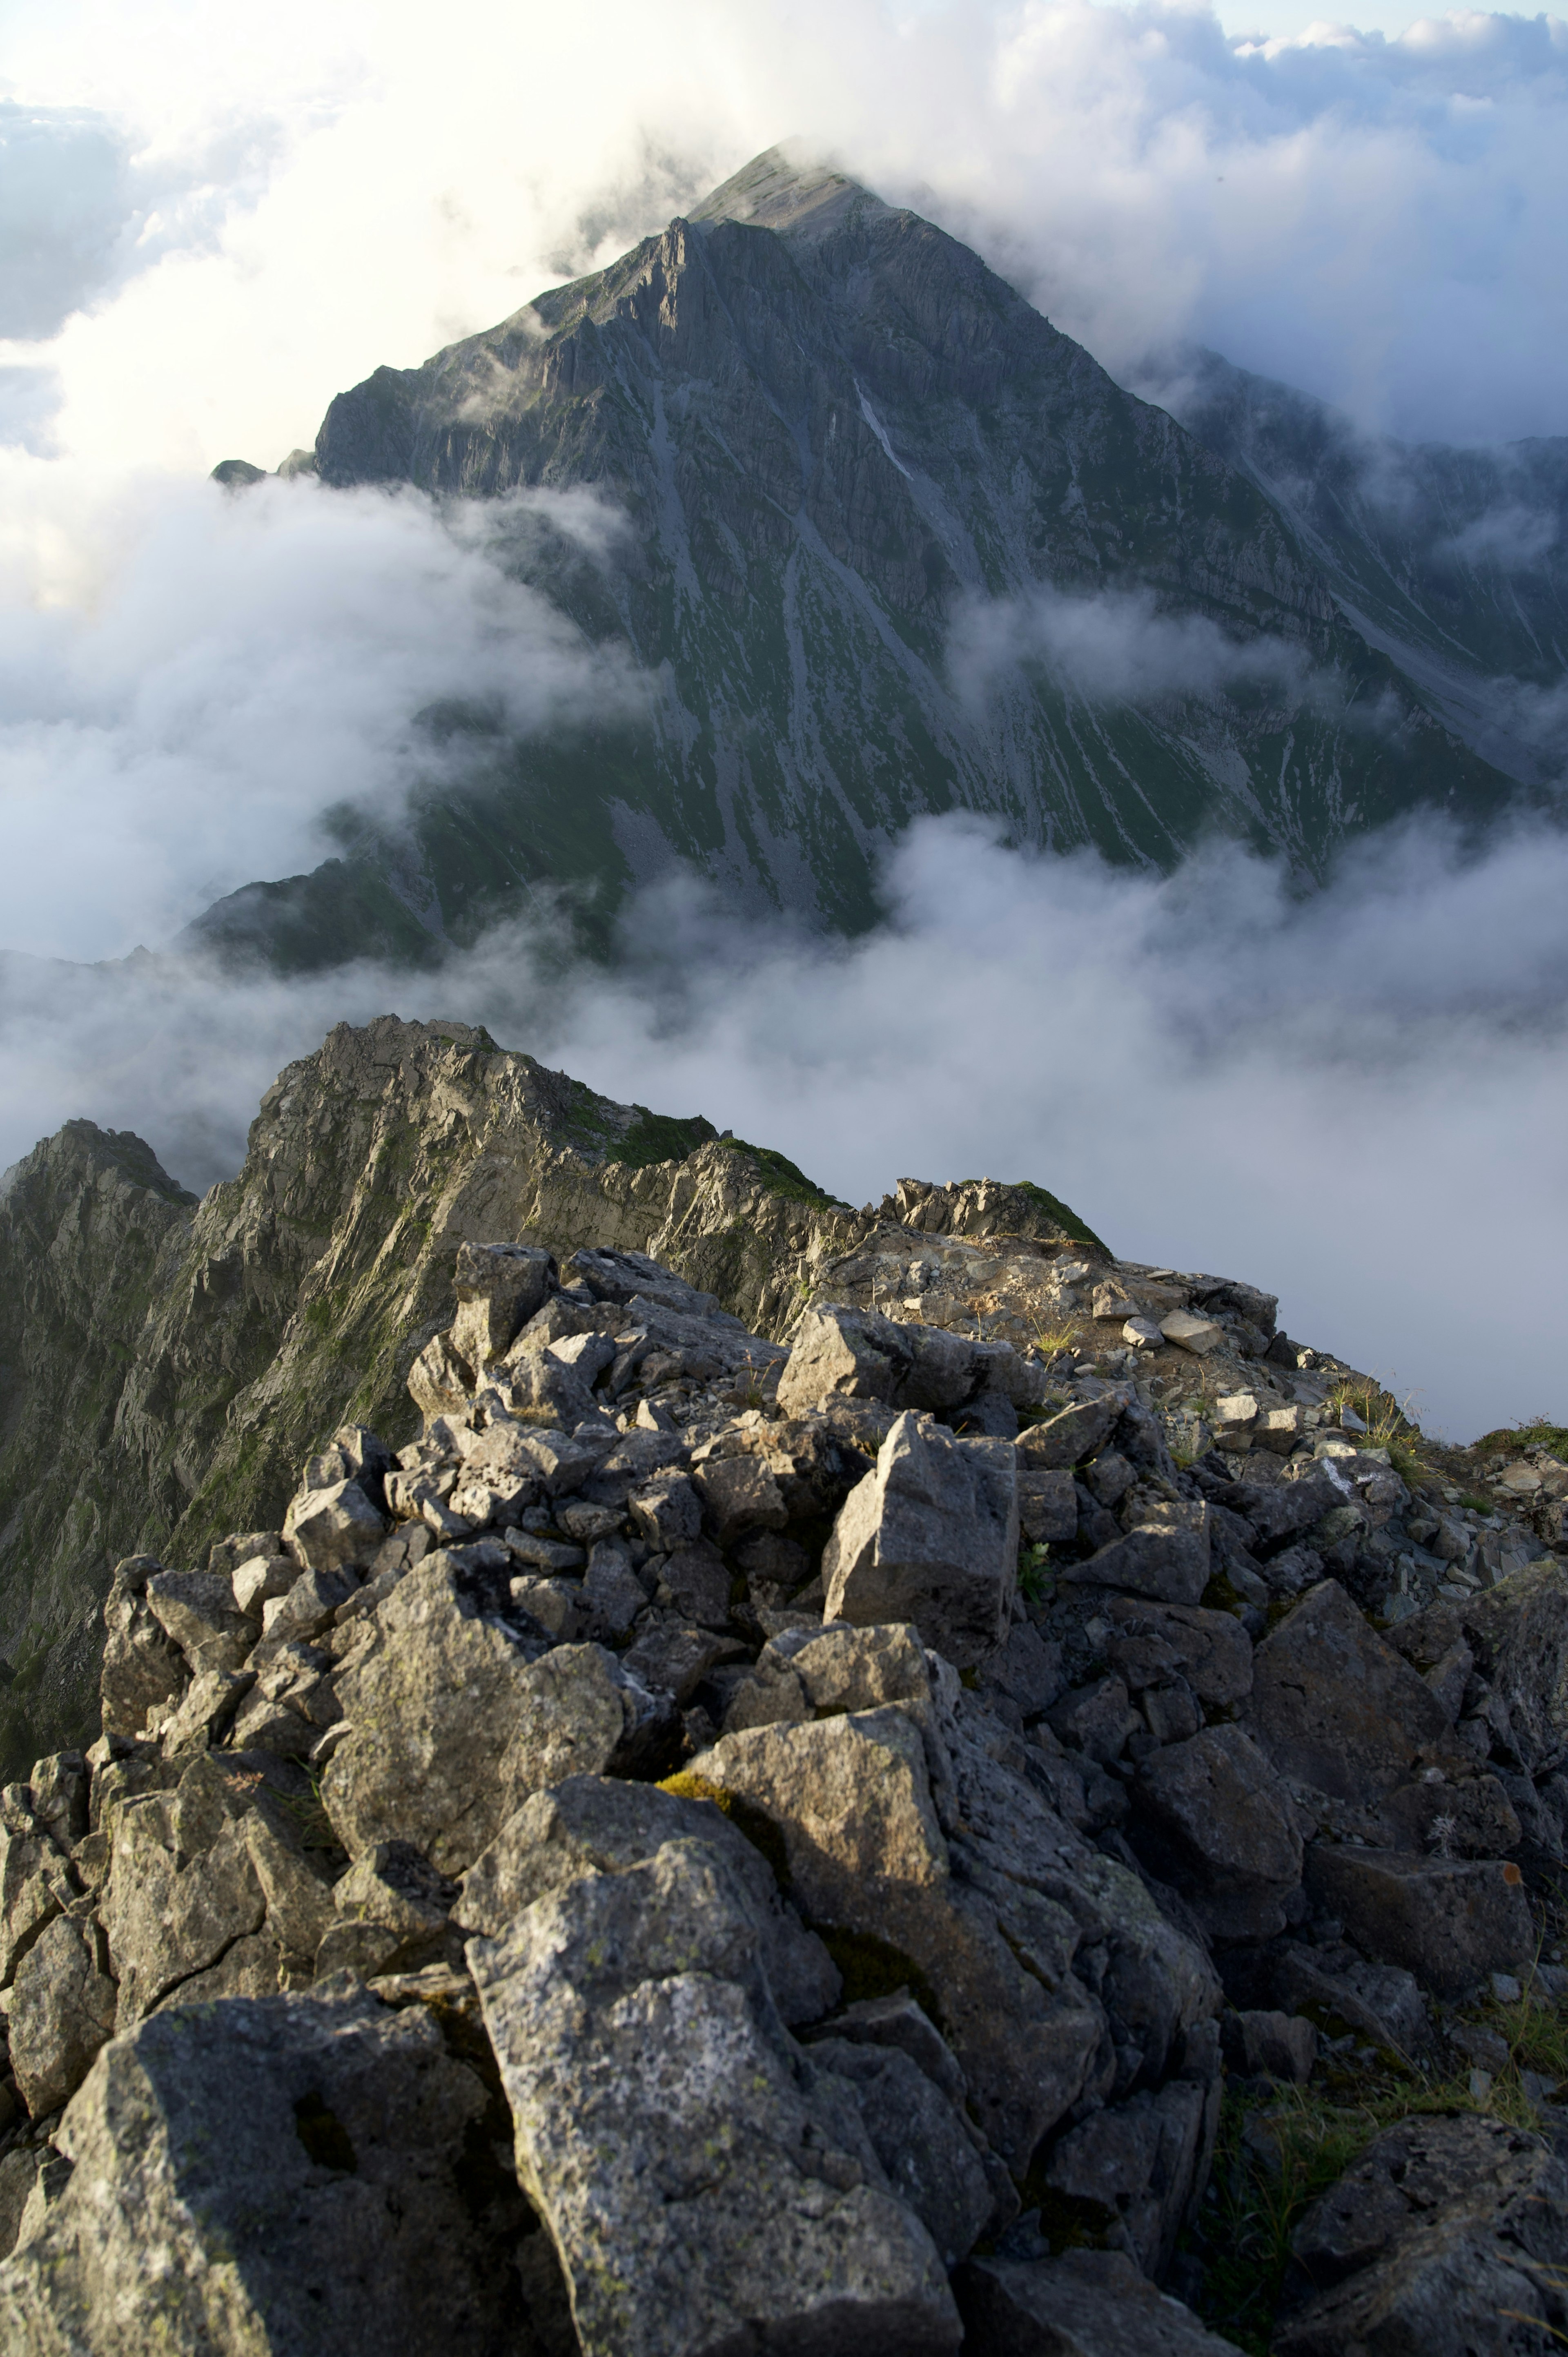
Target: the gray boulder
(197, 1612)
(1224, 1831)
(144, 1669)
(332, 1528)
(1519, 1631)
(499, 1288)
(452, 1720)
(1141, 2165)
(1065, 1438)
(1451, 1921)
(1165, 1555)
(1085, 2304)
(1336, 1707)
(930, 1535)
(927, 2157)
(266, 2179)
(1211, 1652)
(62, 2012)
(1449, 2236)
(705, 2184)
(857, 1354)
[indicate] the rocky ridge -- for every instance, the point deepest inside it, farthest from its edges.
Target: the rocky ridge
(167, 1364)
(714, 1843)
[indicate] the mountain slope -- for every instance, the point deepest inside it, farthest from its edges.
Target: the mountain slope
(836, 438)
(1455, 562)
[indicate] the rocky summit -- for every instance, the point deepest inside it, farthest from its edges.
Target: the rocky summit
(838, 476)
(871, 1782)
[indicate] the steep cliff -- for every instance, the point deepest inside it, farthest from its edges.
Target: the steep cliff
(835, 439)
(167, 1364)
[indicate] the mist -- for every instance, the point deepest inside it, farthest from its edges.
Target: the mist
(1358, 1099)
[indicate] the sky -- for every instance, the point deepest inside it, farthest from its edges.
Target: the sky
(211, 221)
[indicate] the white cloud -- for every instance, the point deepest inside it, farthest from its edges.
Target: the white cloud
(244, 663)
(1358, 1099)
(1116, 647)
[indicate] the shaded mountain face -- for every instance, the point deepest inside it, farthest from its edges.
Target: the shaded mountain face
(890, 544)
(1454, 562)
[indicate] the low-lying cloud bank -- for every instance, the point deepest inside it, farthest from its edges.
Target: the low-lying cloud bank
(1360, 1100)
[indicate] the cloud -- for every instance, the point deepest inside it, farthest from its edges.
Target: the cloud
(247, 663)
(1359, 1100)
(1116, 647)
(1511, 536)
(1384, 222)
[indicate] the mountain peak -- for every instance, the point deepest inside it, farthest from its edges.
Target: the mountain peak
(787, 191)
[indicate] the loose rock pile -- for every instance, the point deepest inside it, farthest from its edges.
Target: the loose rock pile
(715, 1847)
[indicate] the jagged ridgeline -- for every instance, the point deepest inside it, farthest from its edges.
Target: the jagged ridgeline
(831, 433)
(168, 1363)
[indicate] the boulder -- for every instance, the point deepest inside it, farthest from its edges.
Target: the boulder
(697, 1581)
(1262, 2044)
(667, 1511)
(267, 2179)
(143, 1670)
(1211, 1652)
(1139, 2165)
(392, 1911)
(1379, 2003)
(1198, 1335)
(590, 1824)
(332, 1529)
(1085, 2304)
(62, 2012)
(453, 1721)
(1278, 1511)
(499, 1288)
(704, 2183)
(1167, 1555)
(1048, 1504)
(1448, 2236)
(1065, 1438)
(929, 1535)
(857, 1354)
(739, 1494)
(848, 1801)
(926, 2156)
(1519, 1631)
(1336, 1707)
(1223, 1831)
(182, 1892)
(1451, 1921)
(197, 1612)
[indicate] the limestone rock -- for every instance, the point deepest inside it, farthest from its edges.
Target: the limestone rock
(452, 1723)
(1519, 1631)
(265, 2180)
(739, 1494)
(1167, 1555)
(857, 1354)
(1085, 2304)
(1451, 1921)
(1224, 1825)
(334, 1528)
(62, 2011)
(918, 2137)
(703, 2182)
(930, 1536)
(1271, 2045)
(1439, 2238)
(1198, 1335)
(1048, 1504)
(590, 1824)
(181, 1891)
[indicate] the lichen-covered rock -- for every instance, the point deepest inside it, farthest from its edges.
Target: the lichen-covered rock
(930, 1536)
(1451, 1921)
(62, 2012)
(1139, 2167)
(1336, 1707)
(704, 2183)
(454, 1717)
(1223, 1826)
(265, 2180)
(1448, 2236)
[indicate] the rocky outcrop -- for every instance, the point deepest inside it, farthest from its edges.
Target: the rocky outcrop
(659, 1860)
(167, 1364)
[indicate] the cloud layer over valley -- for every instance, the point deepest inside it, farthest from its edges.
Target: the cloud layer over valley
(1360, 1100)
